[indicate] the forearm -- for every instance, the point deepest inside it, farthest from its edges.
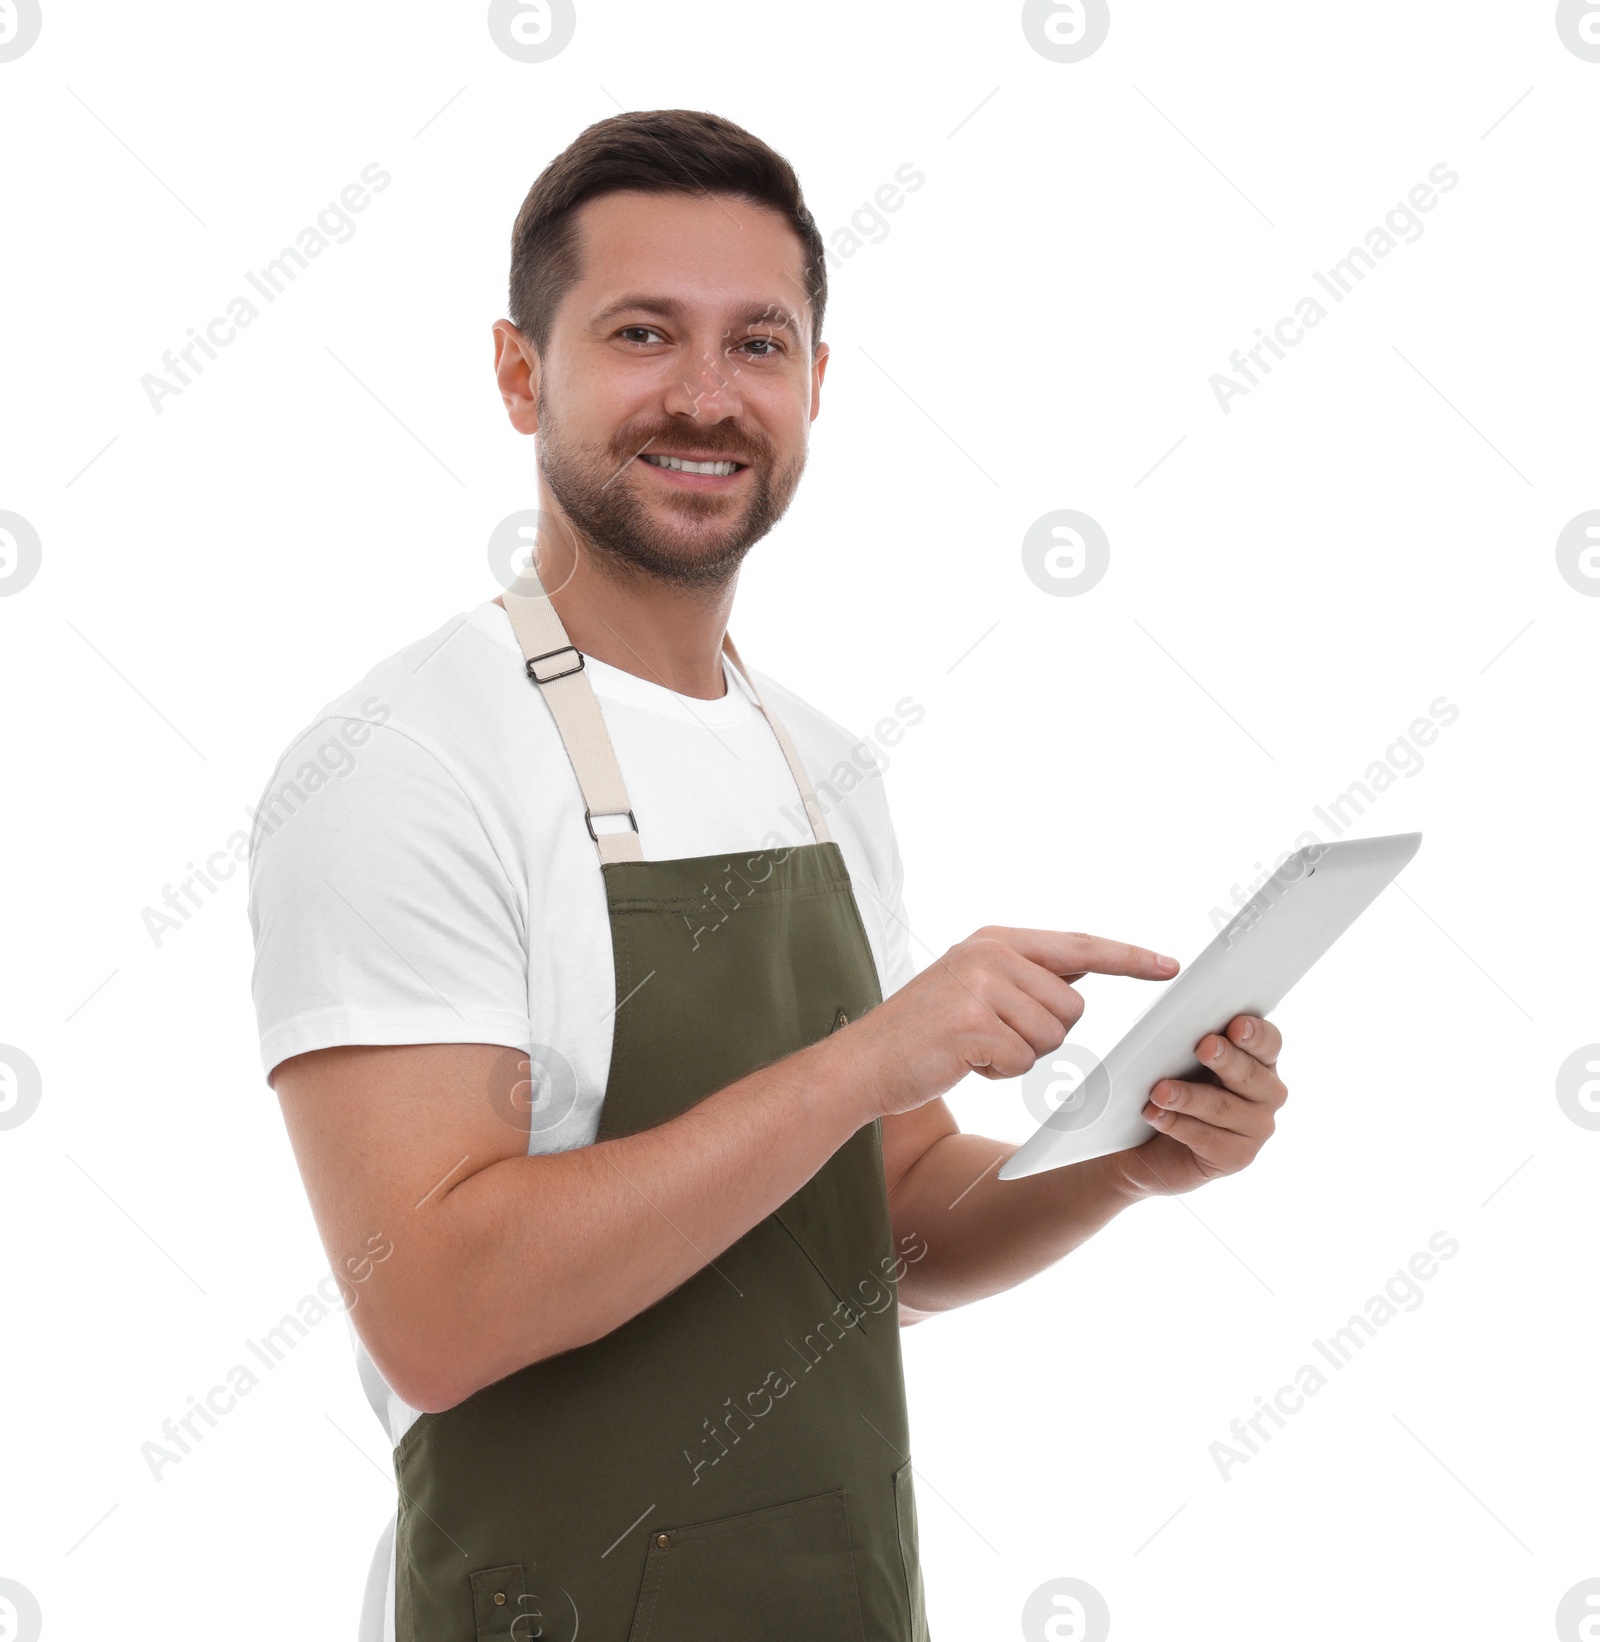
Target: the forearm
(532, 1256)
(985, 1235)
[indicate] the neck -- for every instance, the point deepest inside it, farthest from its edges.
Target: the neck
(671, 636)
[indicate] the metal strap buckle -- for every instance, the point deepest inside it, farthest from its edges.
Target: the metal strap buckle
(589, 823)
(550, 678)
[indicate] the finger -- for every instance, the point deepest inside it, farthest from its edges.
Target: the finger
(1005, 971)
(1042, 1023)
(1207, 1103)
(1069, 953)
(1240, 1072)
(1223, 1150)
(1000, 1052)
(1257, 1036)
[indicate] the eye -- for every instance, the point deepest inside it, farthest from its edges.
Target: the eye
(638, 331)
(768, 346)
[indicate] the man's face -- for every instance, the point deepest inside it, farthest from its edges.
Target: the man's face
(686, 337)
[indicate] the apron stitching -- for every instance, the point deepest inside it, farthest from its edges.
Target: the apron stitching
(619, 1038)
(856, 1321)
(855, 1574)
(657, 1576)
(697, 1533)
(677, 903)
(855, 912)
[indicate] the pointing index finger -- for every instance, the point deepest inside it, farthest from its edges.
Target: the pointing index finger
(1073, 955)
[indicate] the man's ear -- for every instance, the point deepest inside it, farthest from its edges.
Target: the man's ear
(819, 366)
(516, 371)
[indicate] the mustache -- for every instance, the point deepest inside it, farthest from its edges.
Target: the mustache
(717, 439)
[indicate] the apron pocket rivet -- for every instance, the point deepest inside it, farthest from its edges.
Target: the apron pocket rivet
(662, 1541)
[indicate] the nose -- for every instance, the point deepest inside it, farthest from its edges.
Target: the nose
(703, 386)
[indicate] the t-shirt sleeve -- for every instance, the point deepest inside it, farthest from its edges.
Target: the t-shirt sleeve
(381, 910)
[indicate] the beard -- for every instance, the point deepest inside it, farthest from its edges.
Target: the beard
(692, 539)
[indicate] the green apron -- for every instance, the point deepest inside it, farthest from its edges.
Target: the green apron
(732, 1464)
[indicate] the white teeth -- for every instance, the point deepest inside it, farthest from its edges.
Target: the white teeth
(722, 469)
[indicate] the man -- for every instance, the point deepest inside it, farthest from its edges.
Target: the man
(586, 994)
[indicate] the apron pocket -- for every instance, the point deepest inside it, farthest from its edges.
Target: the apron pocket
(781, 1574)
(905, 1510)
(499, 1598)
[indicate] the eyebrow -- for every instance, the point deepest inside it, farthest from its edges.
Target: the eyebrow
(763, 313)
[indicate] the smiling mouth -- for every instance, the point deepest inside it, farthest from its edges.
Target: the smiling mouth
(720, 468)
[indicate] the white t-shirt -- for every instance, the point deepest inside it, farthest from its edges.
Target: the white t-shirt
(422, 872)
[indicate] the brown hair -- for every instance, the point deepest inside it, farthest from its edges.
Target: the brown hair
(658, 151)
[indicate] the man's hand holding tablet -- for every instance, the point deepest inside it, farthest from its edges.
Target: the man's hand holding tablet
(999, 1000)
(1211, 1022)
(1190, 1093)
(1211, 1127)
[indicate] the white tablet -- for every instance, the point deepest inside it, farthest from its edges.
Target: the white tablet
(1301, 910)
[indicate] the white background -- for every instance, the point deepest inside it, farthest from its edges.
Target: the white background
(1372, 528)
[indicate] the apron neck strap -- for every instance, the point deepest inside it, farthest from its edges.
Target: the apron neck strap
(819, 826)
(557, 667)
